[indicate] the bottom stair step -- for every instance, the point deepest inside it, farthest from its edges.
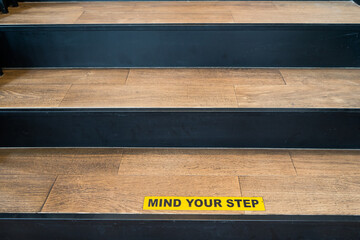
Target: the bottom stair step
(117, 180)
(312, 194)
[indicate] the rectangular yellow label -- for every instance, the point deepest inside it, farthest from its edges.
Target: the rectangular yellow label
(205, 203)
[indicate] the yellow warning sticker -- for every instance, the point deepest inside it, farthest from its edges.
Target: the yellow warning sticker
(205, 203)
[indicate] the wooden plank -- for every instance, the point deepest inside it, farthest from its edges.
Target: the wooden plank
(209, 76)
(205, 162)
(153, 12)
(299, 12)
(140, 17)
(301, 96)
(276, 203)
(41, 77)
(54, 161)
(63, 76)
(107, 6)
(301, 184)
(327, 163)
(305, 195)
(45, 7)
(184, 12)
(105, 76)
(32, 95)
(210, 7)
(149, 96)
(42, 13)
(24, 193)
(325, 204)
(125, 194)
(321, 76)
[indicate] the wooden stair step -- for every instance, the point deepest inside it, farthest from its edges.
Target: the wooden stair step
(117, 180)
(176, 88)
(183, 12)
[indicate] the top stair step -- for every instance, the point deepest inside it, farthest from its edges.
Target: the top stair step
(332, 12)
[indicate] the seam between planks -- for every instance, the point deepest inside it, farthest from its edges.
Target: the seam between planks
(292, 161)
(282, 77)
(47, 196)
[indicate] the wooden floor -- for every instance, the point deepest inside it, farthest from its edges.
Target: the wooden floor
(117, 180)
(228, 88)
(183, 12)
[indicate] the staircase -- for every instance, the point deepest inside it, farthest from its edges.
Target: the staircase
(104, 103)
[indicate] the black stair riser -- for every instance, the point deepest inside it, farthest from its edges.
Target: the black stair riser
(216, 128)
(144, 226)
(159, 45)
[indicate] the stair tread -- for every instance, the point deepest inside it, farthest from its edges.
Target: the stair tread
(117, 180)
(183, 12)
(181, 88)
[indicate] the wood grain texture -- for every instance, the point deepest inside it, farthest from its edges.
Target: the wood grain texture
(276, 203)
(326, 204)
(153, 17)
(318, 88)
(327, 163)
(299, 12)
(149, 96)
(321, 76)
(209, 76)
(301, 184)
(305, 195)
(42, 13)
(104, 76)
(210, 7)
(301, 96)
(24, 193)
(183, 12)
(41, 77)
(327, 182)
(52, 161)
(125, 194)
(205, 162)
(63, 76)
(32, 95)
(153, 12)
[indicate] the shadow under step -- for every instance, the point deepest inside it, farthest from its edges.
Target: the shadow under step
(306, 193)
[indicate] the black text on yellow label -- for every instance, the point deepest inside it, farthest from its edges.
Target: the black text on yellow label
(204, 203)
